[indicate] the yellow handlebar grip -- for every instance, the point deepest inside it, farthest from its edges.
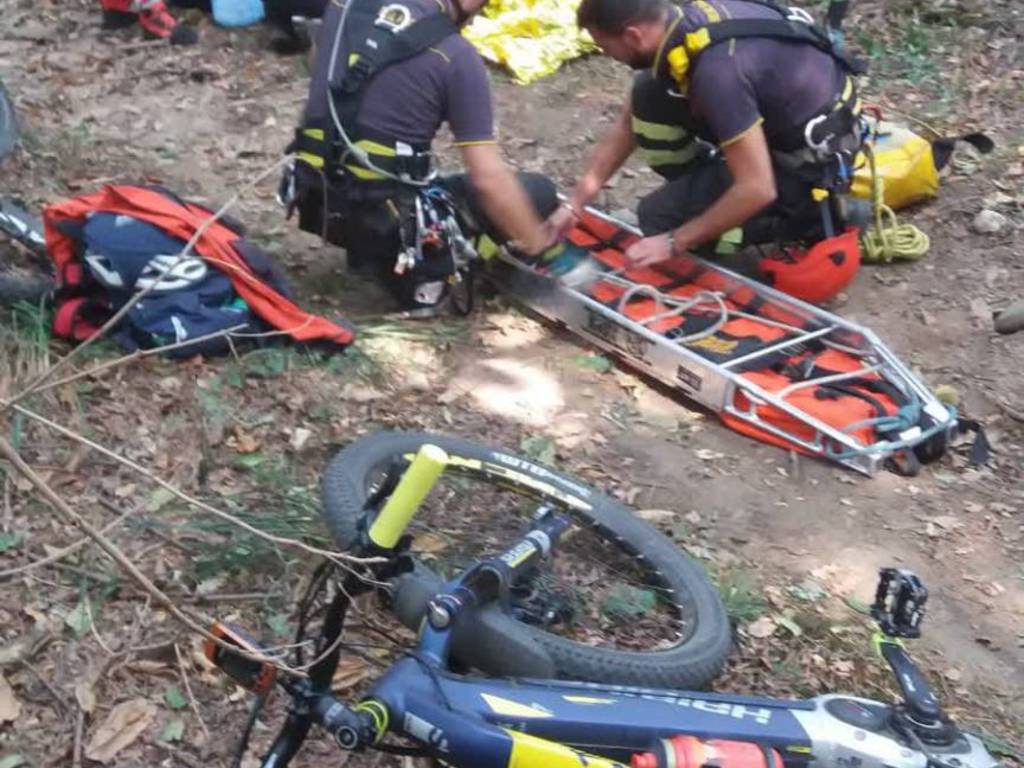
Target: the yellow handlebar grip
(414, 486)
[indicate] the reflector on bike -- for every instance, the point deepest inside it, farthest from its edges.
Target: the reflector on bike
(255, 676)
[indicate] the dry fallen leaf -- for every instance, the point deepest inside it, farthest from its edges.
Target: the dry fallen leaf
(995, 589)
(126, 490)
(360, 393)
(245, 443)
(85, 696)
(430, 543)
(123, 726)
(656, 515)
(762, 628)
(351, 672)
(953, 675)
(843, 668)
(705, 454)
(10, 707)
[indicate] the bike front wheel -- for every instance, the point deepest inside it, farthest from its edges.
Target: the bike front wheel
(619, 603)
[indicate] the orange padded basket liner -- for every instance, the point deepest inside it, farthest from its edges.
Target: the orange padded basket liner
(606, 243)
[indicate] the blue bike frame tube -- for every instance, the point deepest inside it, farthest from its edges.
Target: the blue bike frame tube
(482, 723)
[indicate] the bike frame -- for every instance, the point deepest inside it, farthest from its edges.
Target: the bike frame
(481, 723)
(472, 722)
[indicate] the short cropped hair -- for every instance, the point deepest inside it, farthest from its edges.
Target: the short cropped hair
(613, 16)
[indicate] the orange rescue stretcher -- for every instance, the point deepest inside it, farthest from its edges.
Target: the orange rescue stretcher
(771, 366)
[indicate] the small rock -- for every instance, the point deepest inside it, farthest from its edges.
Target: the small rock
(1011, 319)
(980, 309)
(360, 393)
(418, 381)
(762, 628)
(998, 199)
(299, 438)
(992, 275)
(989, 222)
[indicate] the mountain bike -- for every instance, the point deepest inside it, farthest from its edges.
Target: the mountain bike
(469, 721)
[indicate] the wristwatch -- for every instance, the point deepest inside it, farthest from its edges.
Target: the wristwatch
(673, 249)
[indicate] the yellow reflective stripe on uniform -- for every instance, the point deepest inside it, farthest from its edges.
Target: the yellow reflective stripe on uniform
(317, 134)
(373, 148)
(364, 173)
(658, 131)
(370, 148)
(659, 157)
(709, 10)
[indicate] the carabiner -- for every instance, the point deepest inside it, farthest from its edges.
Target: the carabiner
(816, 146)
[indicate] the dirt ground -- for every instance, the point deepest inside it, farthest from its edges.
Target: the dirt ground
(254, 432)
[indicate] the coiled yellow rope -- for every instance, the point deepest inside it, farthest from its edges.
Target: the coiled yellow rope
(889, 240)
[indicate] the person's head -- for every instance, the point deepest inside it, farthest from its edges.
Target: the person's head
(629, 31)
(465, 10)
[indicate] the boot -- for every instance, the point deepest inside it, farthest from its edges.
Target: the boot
(156, 20)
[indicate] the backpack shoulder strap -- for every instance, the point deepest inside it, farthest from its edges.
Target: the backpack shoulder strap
(795, 25)
(380, 46)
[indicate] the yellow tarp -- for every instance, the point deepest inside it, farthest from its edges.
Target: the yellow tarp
(531, 38)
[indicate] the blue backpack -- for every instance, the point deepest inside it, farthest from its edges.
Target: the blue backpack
(121, 255)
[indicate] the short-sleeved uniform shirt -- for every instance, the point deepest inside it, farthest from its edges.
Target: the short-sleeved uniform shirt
(448, 83)
(738, 84)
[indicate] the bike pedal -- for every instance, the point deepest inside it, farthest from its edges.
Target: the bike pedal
(899, 603)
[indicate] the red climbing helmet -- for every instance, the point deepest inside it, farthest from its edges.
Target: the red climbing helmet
(816, 274)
